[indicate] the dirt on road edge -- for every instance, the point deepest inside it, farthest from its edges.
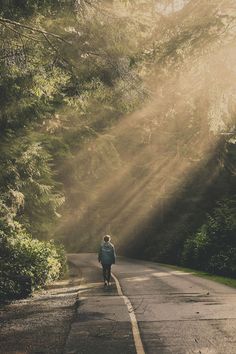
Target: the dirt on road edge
(41, 323)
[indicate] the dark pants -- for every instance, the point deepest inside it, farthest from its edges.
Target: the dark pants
(106, 268)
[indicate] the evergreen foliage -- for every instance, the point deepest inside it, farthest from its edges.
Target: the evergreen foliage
(31, 86)
(213, 247)
(111, 120)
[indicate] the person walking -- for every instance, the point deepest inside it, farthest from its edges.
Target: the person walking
(106, 257)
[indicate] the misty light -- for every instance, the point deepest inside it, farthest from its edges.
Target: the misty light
(169, 7)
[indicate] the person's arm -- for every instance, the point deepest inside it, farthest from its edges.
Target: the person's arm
(100, 254)
(114, 255)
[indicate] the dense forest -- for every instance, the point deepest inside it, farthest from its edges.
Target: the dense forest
(116, 117)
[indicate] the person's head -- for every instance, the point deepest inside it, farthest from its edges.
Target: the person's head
(106, 238)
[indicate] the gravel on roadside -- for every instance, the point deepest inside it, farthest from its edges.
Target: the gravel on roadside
(41, 323)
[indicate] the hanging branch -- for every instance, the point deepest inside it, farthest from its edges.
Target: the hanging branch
(33, 29)
(59, 54)
(9, 23)
(21, 34)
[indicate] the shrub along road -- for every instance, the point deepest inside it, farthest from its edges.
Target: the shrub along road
(176, 313)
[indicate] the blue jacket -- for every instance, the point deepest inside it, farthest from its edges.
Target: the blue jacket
(106, 253)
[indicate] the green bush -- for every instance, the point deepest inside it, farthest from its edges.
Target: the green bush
(27, 264)
(213, 247)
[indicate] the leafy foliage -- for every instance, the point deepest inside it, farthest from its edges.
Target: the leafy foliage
(27, 187)
(27, 205)
(32, 81)
(213, 247)
(27, 264)
(111, 120)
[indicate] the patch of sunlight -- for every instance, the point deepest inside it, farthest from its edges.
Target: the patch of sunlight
(89, 286)
(161, 274)
(64, 290)
(170, 7)
(60, 282)
(60, 295)
(164, 274)
(180, 272)
(137, 279)
(82, 298)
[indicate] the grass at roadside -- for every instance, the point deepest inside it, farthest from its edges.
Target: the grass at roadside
(217, 278)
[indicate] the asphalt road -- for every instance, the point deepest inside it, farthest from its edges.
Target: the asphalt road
(176, 311)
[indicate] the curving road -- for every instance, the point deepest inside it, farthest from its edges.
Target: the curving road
(176, 311)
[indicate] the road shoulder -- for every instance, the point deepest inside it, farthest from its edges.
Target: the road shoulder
(41, 323)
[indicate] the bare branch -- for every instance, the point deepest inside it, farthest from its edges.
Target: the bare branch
(20, 34)
(56, 50)
(33, 29)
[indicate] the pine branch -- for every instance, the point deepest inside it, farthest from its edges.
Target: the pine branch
(33, 29)
(21, 34)
(58, 53)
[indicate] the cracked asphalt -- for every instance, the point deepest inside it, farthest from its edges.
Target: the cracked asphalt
(176, 312)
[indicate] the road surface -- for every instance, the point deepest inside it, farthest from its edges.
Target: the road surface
(176, 311)
(157, 309)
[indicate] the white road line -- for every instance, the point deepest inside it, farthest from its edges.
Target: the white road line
(136, 334)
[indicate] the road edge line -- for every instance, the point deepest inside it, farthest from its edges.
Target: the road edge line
(134, 323)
